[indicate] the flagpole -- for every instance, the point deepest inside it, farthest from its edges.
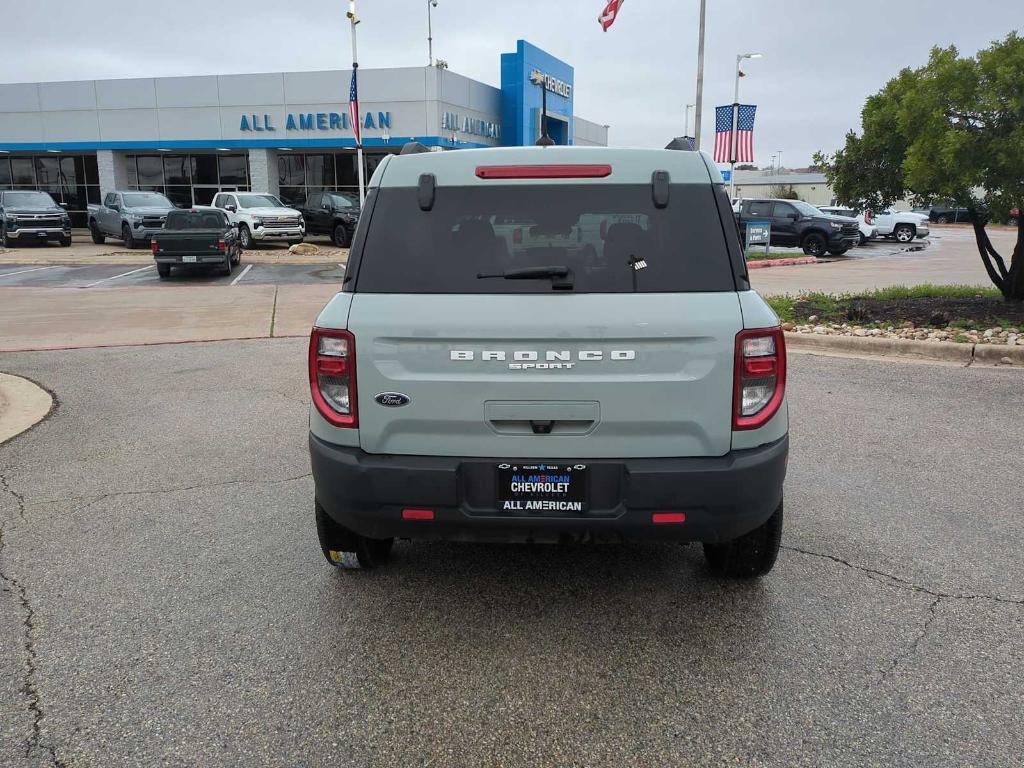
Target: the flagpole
(358, 133)
(732, 150)
(700, 77)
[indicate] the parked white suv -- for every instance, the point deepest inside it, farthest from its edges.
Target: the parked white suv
(260, 216)
(903, 226)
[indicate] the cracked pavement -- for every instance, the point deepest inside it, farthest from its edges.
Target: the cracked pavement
(163, 600)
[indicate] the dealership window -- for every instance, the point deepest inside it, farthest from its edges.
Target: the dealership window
(299, 175)
(188, 179)
(71, 180)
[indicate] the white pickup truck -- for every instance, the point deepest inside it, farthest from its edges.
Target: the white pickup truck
(260, 216)
(902, 226)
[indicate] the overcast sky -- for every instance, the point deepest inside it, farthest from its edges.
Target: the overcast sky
(821, 57)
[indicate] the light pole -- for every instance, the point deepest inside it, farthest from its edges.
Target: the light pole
(686, 128)
(353, 20)
(779, 153)
(700, 76)
(544, 140)
(430, 33)
(735, 112)
(772, 168)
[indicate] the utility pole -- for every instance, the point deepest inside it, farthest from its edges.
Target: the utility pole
(358, 132)
(700, 76)
(430, 33)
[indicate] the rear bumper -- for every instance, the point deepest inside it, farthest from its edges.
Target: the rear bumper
(215, 260)
(722, 497)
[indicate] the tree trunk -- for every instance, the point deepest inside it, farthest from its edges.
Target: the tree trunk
(1010, 282)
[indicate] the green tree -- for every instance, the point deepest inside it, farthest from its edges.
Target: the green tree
(952, 129)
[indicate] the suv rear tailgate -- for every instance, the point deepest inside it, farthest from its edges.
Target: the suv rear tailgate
(547, 376)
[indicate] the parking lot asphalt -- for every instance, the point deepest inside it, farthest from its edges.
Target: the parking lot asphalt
(29, 275)
(164, 602)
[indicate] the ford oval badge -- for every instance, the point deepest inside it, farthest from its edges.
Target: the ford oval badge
(392, 399)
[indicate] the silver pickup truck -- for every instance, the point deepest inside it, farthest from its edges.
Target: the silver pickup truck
(133, 217)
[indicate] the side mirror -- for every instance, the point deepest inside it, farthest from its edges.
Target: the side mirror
(232, 208)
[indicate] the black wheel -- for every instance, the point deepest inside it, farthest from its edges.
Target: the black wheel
(942, 219)
(245, 237)
(97, 236)
(340, 236)
(5, 242)
(164, 270)
(905, 233)
(348, 550)
(128, 237)
(814, 244)
(228, 264)
(752, 554)
(839, 251)
(1012, 222)
(863, 239)
(65, 240)
(237, 258)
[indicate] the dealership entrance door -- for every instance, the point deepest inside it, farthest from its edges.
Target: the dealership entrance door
(203, 194)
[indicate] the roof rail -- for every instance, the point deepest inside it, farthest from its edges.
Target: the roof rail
(684, 143)
(413, 148)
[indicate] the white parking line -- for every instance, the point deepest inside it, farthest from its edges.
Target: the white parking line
(123, 274)
(23, 271)
(244, 273)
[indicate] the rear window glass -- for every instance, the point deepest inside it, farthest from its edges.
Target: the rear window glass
(195, 220)
(611, 237)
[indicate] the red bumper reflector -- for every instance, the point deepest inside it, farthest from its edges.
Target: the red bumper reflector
(417, 514)
(667, 518)
(543, 171)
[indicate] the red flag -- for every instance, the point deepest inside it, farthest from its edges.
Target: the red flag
(607, 17)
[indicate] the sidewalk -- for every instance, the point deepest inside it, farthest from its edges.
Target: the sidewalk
(83, 251)
(41, 318)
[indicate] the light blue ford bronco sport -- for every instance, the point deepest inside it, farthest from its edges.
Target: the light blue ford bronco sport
(545, 344)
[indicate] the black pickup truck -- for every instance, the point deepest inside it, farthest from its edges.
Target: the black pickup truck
(331, 213)
(796, 224)
(201, 237)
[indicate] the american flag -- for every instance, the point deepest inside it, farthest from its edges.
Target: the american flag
(607, 17)
(741, 148)
(353, 109)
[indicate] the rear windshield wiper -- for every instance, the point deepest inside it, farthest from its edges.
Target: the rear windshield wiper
(561, 277)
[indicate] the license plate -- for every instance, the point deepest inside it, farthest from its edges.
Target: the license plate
(542, 487)
(188, 259)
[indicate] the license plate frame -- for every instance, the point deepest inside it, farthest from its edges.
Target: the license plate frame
(560, 487)
(189, 259)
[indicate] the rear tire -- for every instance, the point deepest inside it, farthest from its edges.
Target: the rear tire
(814, 244)
(164, 270)
(942, 220)
(863, 239)
(97, 237)
(347, 550)
(752, 554)
(128, 237)
(340, 236)
(228, 264)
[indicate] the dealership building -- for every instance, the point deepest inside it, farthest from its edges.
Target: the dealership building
(287, 132)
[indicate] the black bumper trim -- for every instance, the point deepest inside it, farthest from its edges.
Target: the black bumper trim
(723, 497)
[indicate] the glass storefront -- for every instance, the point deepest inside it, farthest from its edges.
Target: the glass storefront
(71, 180)
(298, 173)
(189, 179)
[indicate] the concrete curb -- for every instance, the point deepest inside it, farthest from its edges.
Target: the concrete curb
(908, 349)
(787, 262)
(23, 404)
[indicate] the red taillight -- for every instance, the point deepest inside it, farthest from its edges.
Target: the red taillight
(668, 518)
(154, 247)
(543, 171)
(222, 246)
(759, 378)
(417, 514)
(332, 376)
(517, 236)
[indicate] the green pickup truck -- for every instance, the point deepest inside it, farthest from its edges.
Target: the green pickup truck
(200, 237)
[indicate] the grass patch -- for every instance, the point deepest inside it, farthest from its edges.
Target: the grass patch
(758, 254)
(964, 307)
